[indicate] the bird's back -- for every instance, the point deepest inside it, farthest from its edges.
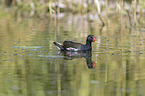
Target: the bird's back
(69, 45)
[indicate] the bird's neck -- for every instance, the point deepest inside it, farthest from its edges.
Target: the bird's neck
(88, 44)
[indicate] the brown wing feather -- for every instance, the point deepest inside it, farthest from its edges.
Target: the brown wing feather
(67, 44)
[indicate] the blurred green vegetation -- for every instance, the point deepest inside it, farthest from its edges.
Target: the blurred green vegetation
(83, 6)
(134, 9)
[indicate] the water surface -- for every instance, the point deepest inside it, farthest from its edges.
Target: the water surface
(30, 65)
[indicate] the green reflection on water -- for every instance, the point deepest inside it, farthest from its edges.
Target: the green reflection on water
(30, 63)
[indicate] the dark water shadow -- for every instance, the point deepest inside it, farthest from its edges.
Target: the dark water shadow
(68, 55)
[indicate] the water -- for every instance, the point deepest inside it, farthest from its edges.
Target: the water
(30, 65)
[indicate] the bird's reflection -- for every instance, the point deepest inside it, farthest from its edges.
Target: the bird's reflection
(72, 55)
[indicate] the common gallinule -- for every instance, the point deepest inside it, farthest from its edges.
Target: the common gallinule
(73, 46)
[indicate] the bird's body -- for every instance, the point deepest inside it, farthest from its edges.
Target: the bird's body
(73, 46)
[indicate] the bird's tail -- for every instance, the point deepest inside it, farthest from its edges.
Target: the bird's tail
(58, 45)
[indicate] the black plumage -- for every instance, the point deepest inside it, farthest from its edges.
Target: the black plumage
(73, 46)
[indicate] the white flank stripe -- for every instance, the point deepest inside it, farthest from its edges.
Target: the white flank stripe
(72, 49)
